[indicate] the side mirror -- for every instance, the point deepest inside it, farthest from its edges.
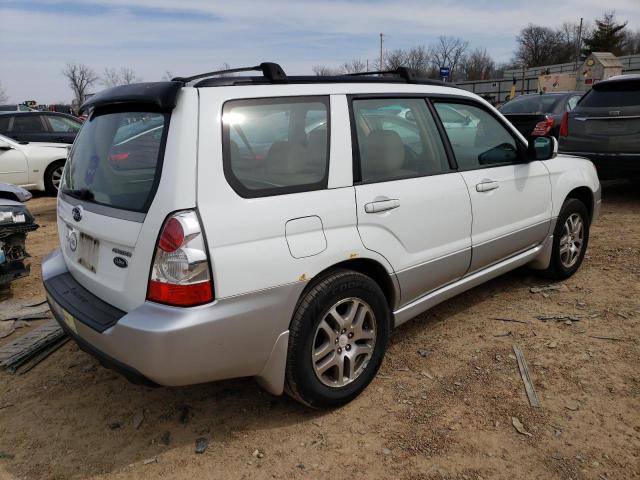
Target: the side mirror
(542, 148)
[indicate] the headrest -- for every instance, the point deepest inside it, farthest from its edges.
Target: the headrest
(383, 153)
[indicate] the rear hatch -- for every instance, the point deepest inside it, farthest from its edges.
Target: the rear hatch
(607, 120)
(118, 186)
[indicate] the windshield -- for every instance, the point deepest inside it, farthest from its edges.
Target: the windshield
(116, 159)
(532, 104)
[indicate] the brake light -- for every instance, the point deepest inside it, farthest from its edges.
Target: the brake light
(543, 128)
(116, 157)
(180, 273)
(564, 125)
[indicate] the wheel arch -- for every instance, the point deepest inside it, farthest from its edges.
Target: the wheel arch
(585, 195)
(367, 266)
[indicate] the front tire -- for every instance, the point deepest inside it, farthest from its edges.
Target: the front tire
(53, 177)
(570, 239)
(337, 340)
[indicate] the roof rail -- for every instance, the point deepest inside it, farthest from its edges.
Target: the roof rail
(271, 71)
(408, 74)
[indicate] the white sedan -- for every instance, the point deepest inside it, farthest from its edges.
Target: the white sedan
(34, 166)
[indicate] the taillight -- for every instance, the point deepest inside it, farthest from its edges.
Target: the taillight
(180, 272)
(543, 128)
(564, 125)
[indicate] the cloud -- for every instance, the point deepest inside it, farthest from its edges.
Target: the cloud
(152, 36)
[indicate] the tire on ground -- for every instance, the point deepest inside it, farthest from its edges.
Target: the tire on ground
(557, 270)
(301, 381)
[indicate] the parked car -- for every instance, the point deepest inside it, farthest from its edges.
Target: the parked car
(539, 114)
(14, 108)
(235, 239)
(16, 222)
(36, 126)
(605, 127)
(34, 166)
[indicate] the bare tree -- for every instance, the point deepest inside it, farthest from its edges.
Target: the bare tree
(449, 52)
(80, 77)
(568, 35)
(3, 94)
(324, 71)
(354, 66)
(128, 76)
(419, 59)
(478, 65)
(537, 46)
(632, 43)
(168, 75)
(394, 59)
(112, 77)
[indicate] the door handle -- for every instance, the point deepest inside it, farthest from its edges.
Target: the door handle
(487, 186)
(382, 205)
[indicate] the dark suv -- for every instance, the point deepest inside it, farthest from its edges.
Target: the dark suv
(605, 127)
(39, 126)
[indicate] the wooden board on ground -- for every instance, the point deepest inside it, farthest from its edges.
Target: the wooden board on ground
(524, 373)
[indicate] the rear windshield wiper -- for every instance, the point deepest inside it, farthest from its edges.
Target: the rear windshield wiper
(80, 193)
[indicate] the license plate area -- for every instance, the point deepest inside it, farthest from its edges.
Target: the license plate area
(88, 250)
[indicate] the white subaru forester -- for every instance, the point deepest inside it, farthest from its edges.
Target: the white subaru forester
(279, 227)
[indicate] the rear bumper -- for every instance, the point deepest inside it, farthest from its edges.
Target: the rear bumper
(612, 165)
(234, 337)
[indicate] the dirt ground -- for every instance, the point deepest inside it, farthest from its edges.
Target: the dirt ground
(440, 408)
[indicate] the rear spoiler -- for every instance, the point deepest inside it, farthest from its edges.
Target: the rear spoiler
(158, 95)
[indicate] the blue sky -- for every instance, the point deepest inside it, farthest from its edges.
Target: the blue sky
(38, 37)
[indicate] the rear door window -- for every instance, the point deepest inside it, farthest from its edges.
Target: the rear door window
(27, 124)
(397, 138)
(4, 123)
(116, 159)
(275, 146)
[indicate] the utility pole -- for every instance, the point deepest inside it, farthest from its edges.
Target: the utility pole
(579, 46)
(381, 58)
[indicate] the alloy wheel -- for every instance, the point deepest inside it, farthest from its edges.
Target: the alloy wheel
(572, 240)
(344, 342)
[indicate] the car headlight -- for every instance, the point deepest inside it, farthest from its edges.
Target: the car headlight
(14, 215)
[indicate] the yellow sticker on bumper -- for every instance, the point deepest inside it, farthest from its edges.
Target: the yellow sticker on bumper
(70, 321)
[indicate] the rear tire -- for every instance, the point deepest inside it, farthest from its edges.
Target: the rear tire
(337, 340)
(53, 177)
(570, 240)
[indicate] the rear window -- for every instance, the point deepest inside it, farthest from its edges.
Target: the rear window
(532, 104)
(274, 146)
(116, 159)
(611, 98)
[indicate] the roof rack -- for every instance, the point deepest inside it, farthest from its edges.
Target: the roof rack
(271, 71)
(408, 74)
